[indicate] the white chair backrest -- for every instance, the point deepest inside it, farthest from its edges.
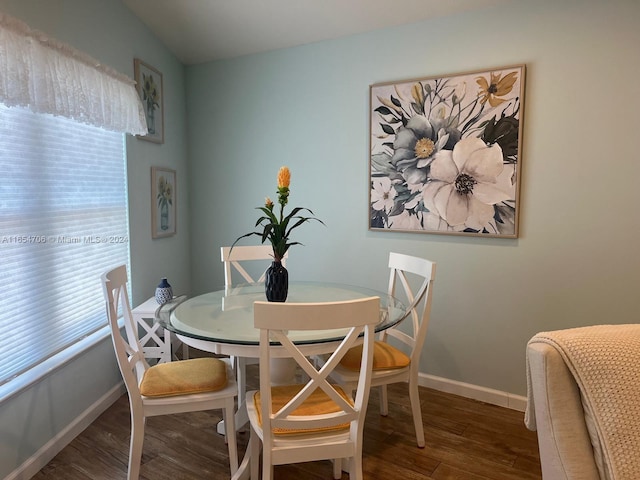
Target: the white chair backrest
(129, 353)
(231, 257)
(353, 317)
(419, 300)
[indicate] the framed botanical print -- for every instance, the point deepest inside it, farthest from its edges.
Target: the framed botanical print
(445, 153)
(163, 202)
(149, 86)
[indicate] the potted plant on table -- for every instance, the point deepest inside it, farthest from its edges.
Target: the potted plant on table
(277, 229)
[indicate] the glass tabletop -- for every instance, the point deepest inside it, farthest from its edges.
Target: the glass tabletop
(226, 315)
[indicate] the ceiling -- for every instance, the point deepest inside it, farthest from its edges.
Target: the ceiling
(199, 31)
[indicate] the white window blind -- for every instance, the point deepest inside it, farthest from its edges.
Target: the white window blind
(63, 221)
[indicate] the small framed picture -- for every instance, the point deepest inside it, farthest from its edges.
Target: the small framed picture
(163, 202)
(149, 86)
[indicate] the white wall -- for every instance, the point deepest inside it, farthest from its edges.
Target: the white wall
(106, 30)
(575, 262)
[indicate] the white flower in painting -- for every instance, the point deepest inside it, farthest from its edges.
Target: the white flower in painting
(463, 188)
(382, 194)
(459, 92)
(433, 222)
(406, 221)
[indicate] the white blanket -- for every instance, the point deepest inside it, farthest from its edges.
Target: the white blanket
(605, 362)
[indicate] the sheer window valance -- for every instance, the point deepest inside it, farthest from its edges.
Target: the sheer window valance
(47, 76)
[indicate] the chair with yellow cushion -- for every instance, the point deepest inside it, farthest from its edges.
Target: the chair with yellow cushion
(166, 388)
(313, 420)
(399, 362)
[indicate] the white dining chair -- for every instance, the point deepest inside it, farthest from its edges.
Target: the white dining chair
(399, 363)
(166, 388)
(246, 263)
(235, 261)
(313, 420)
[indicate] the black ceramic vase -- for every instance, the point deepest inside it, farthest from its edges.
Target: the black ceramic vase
(276, 282)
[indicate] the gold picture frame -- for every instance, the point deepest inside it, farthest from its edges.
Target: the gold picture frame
(150, 88)
(163, 202)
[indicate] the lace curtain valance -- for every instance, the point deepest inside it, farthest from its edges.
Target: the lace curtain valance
(47, 76)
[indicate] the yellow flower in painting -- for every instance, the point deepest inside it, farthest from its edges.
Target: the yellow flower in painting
(268, 203)
(424, 148)
(165, 192)
(497, 87)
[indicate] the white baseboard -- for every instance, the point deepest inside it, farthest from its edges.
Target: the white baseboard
(43, 456)
(50, 449)
(487, 395)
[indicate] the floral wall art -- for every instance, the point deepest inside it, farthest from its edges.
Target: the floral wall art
(149, 86)
(163, 202)
(445, 153)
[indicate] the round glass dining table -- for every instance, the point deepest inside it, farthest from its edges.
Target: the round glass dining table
(221, 322)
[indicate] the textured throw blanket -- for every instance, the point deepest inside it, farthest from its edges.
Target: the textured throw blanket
(605, 362)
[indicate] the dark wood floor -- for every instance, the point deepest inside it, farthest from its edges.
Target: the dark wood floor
(466, 440)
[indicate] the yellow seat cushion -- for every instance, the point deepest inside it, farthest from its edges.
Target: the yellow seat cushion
(184, 377)
(385, 357)
(317, 403)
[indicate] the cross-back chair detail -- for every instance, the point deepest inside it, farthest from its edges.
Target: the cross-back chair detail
(234, 257)
(316, 419)
(391, 363)
(400, 265)
(165, 388)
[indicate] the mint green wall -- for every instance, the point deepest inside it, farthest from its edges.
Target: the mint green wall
(106, 30)
(307, 107)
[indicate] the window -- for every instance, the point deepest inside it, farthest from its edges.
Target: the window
(63, 221)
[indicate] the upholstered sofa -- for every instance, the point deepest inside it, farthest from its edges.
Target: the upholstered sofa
(583, 400)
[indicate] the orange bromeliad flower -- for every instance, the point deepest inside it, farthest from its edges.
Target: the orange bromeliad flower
(498, 87)
(277, 228)
(284, 177)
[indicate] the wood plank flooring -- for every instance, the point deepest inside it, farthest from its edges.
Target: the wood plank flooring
(466, 440)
